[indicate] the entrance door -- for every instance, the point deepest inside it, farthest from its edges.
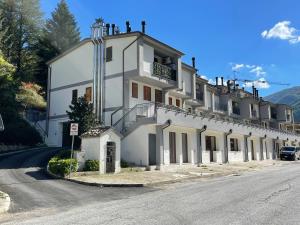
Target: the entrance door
(266, 147)
(110, 157)
(211, 146)
(152, 149)
(172, 143)
(277, 150)
(252, 149)
(184, 148)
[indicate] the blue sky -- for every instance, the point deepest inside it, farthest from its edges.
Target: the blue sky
(259, 39)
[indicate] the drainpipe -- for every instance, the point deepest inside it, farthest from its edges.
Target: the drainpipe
(266, 146)
(164, 126)
(199, 145)
(226, 146)
(123, 67)
(246, 146)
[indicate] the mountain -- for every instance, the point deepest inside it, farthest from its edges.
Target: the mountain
(290, 96)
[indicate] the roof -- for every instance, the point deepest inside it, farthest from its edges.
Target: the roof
(99, 131)
(187, 66)
(122, 35)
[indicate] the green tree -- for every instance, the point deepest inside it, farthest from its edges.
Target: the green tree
(81, 112)
(20, 27)
(61, 30)
(8, 88)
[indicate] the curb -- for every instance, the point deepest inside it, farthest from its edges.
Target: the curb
(4, 202)
(91, 184)
(11, 152)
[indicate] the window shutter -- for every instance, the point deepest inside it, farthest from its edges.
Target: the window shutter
(134, 90)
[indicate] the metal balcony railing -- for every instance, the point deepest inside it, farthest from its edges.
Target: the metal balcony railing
(164, 72)
(254, 114)
(236, 111)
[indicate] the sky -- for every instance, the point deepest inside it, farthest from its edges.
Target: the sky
(249, 40)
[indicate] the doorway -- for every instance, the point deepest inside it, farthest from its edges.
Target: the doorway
(252, 150)
(184, 148)
(152, 149)
(110, 156)
(211, 146)
(172, 144)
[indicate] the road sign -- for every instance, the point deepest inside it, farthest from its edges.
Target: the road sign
(74, 129)
(1, 124)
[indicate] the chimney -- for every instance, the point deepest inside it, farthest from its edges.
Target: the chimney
(222, 81)
(257, 94)
(234, 86)
(128, 28)
(217, 79)
(143, 26)
(253, 91)
(107, 28)
(193, 62)
(113, 29)
(228, 86)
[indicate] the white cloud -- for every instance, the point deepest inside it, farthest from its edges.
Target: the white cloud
(282, 30)
(237, 67)
(258, 71)
(261, 83)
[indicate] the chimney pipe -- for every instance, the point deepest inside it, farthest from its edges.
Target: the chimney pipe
(234, 85)
(257, 94)
(222, 81)
(228, 86)
(193, 62)
(217, 79)
(253, 91)
(107, 28)
(128, 28)
(113, 29)
(143, 26)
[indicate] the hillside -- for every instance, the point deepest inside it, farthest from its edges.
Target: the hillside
(290, 96)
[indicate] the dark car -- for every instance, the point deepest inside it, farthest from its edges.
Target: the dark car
(290, 152)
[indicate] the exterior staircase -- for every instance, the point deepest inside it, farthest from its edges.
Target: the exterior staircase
(129, 120)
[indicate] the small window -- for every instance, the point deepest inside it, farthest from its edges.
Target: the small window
(109, 54)
(177, 102)
(74, 95)
(88, 94)
(234, 144)
(170, 101)
(134, 90)
(158, 96)
(147, 93)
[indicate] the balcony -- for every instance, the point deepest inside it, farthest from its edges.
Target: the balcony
(220, 107)
(199, 95)
(254, 114)
(236, 111)
(164, 72)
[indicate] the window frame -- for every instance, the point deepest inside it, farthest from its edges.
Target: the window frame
(108, 54)
(134, 94)
(74, 95)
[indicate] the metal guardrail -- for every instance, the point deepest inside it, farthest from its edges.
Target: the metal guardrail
(163, 71)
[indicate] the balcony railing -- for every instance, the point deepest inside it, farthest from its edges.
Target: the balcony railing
(164, 72)
(199, 96)
(254, 114)
(236, 111)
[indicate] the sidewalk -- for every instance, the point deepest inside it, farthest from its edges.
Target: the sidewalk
(4, 202)
(172, 174)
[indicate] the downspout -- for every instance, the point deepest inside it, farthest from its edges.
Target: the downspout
(266, 146)
(226, 146)
(123, 67)
(246, 146)
(48, 100)
(199, 147)
(166, 125)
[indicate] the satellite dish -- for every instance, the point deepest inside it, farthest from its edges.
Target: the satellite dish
(1, 124)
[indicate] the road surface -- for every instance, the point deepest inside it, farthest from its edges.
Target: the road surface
(270, 196)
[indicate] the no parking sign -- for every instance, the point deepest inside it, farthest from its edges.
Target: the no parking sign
(74, 129)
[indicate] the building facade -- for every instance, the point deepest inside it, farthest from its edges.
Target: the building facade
(164, 110)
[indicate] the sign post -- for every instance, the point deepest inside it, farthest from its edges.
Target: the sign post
(73, 132)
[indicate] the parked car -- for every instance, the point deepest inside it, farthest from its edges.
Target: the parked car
(290, 152)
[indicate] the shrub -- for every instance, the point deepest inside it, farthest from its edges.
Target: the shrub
(91, 165)
(124, 164)
(64, 154)
(62, 166)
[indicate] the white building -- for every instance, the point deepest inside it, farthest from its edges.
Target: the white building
(165, 112)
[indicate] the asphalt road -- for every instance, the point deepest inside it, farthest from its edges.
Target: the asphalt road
(271, 196)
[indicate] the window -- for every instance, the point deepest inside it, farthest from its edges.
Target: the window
(170, 101)
(234, 144)
(109, 54)
(134, 90)
(74, 95)
(88, 94)
(158, 96)
(177, 102)
(147, 93)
